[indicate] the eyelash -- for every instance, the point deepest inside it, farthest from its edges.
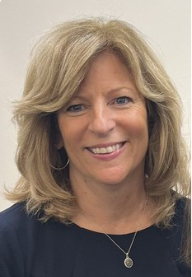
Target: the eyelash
(128, 99)
(72, 108)
(80, 107)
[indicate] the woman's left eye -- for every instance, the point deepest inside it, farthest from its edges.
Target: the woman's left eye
(122, 100)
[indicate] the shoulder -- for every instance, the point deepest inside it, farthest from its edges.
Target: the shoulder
(12, 218)
(179, 219)
(25, 239)
(182, 213)
(11, 254)
(15, 224)
(18, 228)
(12, 213)
(176, 235)
(181, 204)
(15, 219)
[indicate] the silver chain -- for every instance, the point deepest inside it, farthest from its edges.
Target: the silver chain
(128, 262)
(134, 236)
(126, 253)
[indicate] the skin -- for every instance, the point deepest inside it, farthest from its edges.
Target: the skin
(108, 110)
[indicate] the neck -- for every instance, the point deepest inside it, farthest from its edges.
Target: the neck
(114, 207)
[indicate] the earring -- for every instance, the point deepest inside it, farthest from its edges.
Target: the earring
(60, 168)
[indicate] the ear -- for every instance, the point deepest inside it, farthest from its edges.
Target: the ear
(57, 138)
(59, 142)
(59, 145)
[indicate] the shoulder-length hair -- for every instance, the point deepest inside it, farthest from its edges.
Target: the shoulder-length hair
(58, 65)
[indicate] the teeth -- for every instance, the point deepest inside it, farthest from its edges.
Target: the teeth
(106, 150)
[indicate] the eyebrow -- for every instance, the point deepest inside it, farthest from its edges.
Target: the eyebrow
(82, 97)
(121, 88)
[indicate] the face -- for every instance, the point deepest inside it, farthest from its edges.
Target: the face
(104, 128)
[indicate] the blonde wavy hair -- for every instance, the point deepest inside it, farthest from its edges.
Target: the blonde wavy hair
(59, 63)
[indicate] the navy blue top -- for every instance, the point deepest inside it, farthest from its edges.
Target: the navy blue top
(30, 248)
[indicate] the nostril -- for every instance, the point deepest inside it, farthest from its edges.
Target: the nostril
(102, 126)
(101, 123)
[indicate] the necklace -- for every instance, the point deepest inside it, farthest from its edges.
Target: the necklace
(128, 262)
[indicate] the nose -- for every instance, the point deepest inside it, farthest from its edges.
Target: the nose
(102, 121)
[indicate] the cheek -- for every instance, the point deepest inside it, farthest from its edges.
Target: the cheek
(71, 131)
(139, 135)
(136, 123)
(141, 127)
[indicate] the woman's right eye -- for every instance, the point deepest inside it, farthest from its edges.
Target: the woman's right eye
(75, 108)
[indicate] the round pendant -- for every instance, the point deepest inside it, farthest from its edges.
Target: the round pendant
(128, 262)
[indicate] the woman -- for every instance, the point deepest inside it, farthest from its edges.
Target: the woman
(103, 164)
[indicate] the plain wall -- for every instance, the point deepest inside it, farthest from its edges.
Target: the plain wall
(165, 23)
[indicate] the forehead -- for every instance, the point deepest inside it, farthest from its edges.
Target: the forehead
(107, 61)
(107, 73)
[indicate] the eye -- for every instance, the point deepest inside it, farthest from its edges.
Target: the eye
(123, 100)
(75, 108)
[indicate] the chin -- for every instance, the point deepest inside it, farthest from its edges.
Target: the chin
(114, 177)
(121, 175)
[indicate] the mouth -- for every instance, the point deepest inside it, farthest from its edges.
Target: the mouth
(106, 150)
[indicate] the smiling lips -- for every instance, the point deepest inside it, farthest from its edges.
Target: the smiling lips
(105, 150)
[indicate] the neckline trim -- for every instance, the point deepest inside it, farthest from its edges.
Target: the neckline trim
(83, 229)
